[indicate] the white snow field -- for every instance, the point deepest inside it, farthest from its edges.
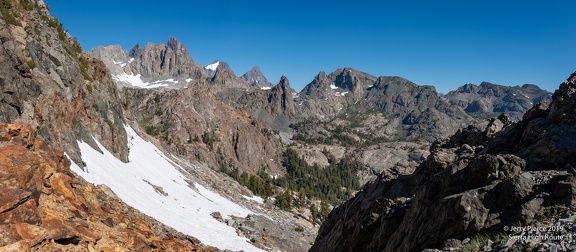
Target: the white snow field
(173, 202)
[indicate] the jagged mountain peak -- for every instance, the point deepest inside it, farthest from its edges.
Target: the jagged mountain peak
(352, 80)
(319, 86)
(174, 43)
(255, 76)
(283, 85)
(170, 60)
(136, 51)
(154, 65)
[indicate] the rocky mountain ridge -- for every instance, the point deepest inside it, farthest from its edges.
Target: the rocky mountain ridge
(483, 179)
(489, 99)
(329, 95)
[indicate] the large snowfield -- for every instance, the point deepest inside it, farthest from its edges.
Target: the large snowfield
(173, 202)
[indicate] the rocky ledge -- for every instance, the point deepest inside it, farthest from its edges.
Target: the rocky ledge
(45, 207)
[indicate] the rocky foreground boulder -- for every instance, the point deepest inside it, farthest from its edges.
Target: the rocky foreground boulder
(483, 180)
(46, 207)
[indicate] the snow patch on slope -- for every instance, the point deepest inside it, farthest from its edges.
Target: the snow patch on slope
(254, 198)
(122, 64)
(212, 66)
(136, 80)
(152, 184)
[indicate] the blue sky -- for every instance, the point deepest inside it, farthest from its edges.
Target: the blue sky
(440, 43)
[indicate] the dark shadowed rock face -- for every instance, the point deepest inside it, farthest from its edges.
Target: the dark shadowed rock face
(45, 207)
(488, 99)
(48, 82)
(486, 176)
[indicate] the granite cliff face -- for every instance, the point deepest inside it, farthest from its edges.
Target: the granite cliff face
(45, 207)
(488, 100)
(48, 82)
(486, 177)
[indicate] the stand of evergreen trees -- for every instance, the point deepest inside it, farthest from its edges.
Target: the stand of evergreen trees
(331, 185)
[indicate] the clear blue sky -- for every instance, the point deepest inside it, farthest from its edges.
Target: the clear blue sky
(440, 43)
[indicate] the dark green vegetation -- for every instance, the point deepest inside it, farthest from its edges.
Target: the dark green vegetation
(302, 183)
(110, 124)
(9, 14)
(260, 184)
(209, 138)
(333, 184)
(27, 4)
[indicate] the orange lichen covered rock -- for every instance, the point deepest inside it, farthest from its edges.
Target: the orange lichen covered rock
(44, 206)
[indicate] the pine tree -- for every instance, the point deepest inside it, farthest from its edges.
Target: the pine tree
(324, 210)
(313, 213)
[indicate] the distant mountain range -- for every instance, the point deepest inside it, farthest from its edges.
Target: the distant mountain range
(489, 99)
(170, 66)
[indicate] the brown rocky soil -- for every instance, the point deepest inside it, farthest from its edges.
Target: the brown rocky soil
(45, 207)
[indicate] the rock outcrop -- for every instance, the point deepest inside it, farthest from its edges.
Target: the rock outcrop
(46, 81)
(46, 207)
(488, 100)
(485, 178)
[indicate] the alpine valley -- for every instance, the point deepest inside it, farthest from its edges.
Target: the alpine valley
(144, 149)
